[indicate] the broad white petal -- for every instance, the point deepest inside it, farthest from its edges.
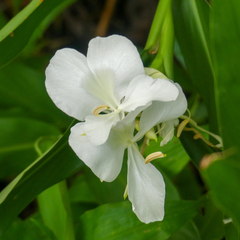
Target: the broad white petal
(160, 112)
(104, 160)
(144, 89)
(146, 188)
(97, 128)
(103, 88)
(119, 57)
(167, 131)
(65, 77)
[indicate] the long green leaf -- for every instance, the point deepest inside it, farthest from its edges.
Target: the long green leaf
(191, 30)
(19, 19)
(14, 43)
(223, 176)
(56, 165)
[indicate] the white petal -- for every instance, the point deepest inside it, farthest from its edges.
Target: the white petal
(146, 188)
(160, 112)
(97, 128)
(103, 88)
(104, 160)
(65, 77)
(144, 89)
(167, 131)
(117, 55)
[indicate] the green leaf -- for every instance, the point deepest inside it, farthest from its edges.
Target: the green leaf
(187, 183)
(80, 192)
(117, 221)
(189, 231)
(19, 19)
(54, 202)
(18, 137)
(195, 148)
(231, 233)
(14, 43)
(191, 29)
(23, 87)
(210, 221)
(56, 165)
(223, 177)
(225, 34)
(30, 229)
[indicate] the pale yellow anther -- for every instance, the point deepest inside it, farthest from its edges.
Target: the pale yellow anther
(154, 156)
(99, 109)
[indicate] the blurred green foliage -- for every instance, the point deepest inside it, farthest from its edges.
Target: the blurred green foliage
(201, 203)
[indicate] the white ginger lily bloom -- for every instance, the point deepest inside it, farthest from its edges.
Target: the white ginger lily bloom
(146, 187)
(103, 87)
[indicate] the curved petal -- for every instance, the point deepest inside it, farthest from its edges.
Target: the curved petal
(65, 77)
(160, 112)
(117, 55)
(146, 188)
(144, 89)
(104, 160)
(97, 128)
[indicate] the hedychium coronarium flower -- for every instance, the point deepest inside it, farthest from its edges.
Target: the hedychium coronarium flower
(105, 86)
(107, 90)
(145, 184)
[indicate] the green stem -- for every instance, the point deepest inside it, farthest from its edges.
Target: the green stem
(54, 207)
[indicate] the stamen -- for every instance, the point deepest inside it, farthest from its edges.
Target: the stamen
(198, 135)
(154, 156)
(181, 126)
(99, 109)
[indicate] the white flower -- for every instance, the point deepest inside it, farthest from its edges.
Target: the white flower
(146, 187)
(108, 89)
(103, 87)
